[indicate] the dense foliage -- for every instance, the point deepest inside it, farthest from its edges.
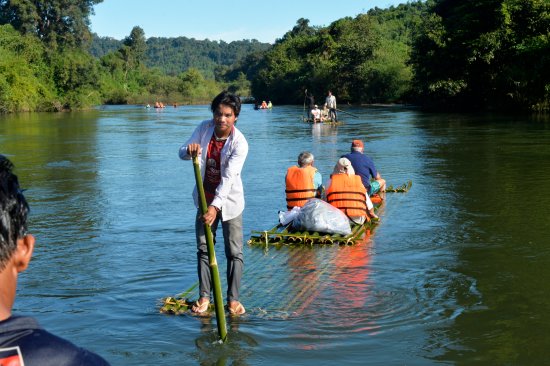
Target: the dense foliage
(58, 23)
(484, 54)
(362, 59)
(175, 55)
(471, 54)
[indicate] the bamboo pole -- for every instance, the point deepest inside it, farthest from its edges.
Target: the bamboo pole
(351, 114)
(218, 301)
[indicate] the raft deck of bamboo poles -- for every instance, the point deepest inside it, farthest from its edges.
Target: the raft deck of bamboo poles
(286, 234)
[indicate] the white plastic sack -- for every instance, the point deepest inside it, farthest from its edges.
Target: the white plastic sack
(318, 215)
(288, 216)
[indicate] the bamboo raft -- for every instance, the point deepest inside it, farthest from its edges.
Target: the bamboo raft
(287, 234)
(325, 122)
(278, 235)
(181, 304)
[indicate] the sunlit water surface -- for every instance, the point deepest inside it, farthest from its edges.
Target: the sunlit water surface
(456, 272)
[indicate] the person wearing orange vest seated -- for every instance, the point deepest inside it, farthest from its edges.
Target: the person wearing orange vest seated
(303, 182)
(346, 192)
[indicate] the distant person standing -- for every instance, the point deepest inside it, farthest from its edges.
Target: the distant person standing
(330, 103)
(310, 104)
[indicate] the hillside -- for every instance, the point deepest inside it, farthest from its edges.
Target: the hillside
(175, 55)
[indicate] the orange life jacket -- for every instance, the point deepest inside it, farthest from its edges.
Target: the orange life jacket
(299, 186)
(348, 194)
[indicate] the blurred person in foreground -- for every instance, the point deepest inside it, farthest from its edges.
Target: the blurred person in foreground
(22, 341)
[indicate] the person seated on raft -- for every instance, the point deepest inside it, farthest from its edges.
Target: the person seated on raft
(264, 105)
(346, 192)
(303, 182)
(269, 105)
(364, 167)
(324, 113)
(316, 114)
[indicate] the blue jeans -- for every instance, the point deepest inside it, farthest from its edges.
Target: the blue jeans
(233, 244)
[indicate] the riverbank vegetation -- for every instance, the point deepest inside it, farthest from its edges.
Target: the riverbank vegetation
(440, 54)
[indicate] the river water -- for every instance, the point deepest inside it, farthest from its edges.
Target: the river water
(455, 273)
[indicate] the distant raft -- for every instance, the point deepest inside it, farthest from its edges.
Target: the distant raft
(324, 121)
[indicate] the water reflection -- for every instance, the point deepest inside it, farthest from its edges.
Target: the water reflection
(305, 279)
(211, 351)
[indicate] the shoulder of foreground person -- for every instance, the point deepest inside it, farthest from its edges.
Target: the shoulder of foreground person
(22, 339)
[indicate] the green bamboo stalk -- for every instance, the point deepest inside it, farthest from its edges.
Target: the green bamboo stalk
(218, 301)
(186, 293)
(400, 189)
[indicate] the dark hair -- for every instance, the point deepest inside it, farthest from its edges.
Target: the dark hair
(228, 99)
(14, 210)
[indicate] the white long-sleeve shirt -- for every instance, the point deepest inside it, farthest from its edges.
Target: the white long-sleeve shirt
(330, 101)
(229, 195)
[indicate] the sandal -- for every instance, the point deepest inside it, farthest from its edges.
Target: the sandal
(372, 215)
(200, 307)
(236, 310)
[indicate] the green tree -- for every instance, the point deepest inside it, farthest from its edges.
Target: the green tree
(58, 23)
(25, 82)
(76, 76)
(484, 55)
(240, 86)
(136, 46)
(361, 59)
(195, 87)
(355, 45)
(132, 51)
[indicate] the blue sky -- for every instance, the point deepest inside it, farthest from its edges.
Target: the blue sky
(215, 20)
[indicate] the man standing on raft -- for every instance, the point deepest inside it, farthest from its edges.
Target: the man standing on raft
(330, 103)
(222, 151)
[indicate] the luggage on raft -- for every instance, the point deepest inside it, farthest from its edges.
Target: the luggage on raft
(316, 223)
